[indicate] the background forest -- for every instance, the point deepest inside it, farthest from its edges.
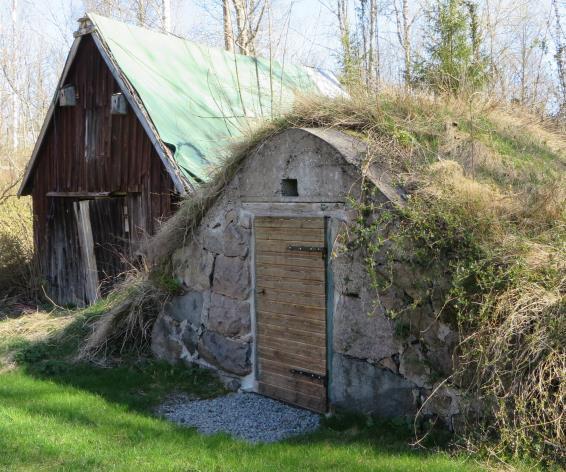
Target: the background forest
(511, 50)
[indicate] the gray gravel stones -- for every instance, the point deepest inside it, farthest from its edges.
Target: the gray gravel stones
(247, 416)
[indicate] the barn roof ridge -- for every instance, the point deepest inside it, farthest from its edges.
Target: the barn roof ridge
(192, 100)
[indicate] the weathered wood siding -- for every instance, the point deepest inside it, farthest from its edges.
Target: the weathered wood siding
(88, 149)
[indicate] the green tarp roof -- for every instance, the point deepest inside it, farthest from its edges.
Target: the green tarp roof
(201, 98)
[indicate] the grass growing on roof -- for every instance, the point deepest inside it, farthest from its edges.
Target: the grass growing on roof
(487, 190)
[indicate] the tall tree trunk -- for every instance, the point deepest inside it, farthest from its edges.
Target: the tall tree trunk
(15, 98)
(560, 57)
(377, 52)
(141, 13)
(241, 21)
(345, 39)
(227, 21)
(249, 16)
(406, 42)
(524, 54)
(166, 16)
(404, 35)
(372, 37)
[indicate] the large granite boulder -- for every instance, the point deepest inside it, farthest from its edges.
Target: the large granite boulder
(362, 386)
(413, 366)
(231, 277)
(228, 316)
(231, 240)
(358, 333)
(193, 266)
(186, 307)
(165, 344)
(227, 354)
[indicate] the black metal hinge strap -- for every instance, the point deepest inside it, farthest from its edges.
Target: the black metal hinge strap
(321, 249)
(310, 375)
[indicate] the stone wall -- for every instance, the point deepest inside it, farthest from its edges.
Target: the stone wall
(390, 348)
(210, 324)
(382, 366)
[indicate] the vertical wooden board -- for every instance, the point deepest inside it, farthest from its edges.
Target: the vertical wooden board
(86, 244)
(315, 403)
(62, 260)
(291, 342)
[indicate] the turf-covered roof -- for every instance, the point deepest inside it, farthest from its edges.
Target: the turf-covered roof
(200, 98)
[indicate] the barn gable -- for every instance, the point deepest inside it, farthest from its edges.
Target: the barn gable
(128, 130)
(86, 148)
(191, 100)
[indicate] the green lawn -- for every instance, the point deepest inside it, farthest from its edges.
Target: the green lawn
(59, 415)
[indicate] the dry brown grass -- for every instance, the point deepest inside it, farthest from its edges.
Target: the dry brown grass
(18, 274)
(133, 307)
(31, 326)
(519, 120)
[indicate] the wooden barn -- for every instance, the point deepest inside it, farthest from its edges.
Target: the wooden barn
(138, 119)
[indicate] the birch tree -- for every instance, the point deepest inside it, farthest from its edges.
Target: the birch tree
(249, 16)
(560, 57)
(166, 15)
(227, 25)
(11, 76)
(369, 31)
(404, 26)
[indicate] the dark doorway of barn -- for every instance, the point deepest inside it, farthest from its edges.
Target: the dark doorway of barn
(290, 258)
(89, 246)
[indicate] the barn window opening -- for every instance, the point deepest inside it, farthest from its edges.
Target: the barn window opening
(289, 188)
(118, 104)
(67, 96)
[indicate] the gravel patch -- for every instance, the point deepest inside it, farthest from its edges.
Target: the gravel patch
(247, 416)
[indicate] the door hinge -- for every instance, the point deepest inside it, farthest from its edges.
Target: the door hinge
(310, 375)
(320, 249)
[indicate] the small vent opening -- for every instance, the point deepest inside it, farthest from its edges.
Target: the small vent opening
(289, 188)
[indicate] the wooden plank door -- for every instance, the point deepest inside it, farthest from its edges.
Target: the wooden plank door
(62, 259)
(110, 230)
(290, 255)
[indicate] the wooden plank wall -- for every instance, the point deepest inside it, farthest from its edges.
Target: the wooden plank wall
(291, 310)
(111, 241)
(62, 255)
(112, 153)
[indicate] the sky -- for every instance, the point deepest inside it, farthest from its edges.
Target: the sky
(305, 29)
